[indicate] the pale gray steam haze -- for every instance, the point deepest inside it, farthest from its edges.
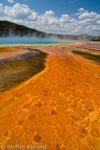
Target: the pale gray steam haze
(82, 22)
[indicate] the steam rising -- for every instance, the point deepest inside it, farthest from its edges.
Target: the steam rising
(29, 40)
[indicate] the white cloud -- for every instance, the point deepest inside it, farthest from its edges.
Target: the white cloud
(10, 1)
(47, 18)
(83, 22)
(19, 11)
(73, 1)
(49, 13)
(81, 9)
(1, 9)
(98, 22)
(86, 15)
(64, 18)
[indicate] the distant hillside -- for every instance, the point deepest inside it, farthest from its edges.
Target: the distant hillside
(8, 28)
(82, 37)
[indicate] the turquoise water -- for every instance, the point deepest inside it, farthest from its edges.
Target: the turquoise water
(25, 40)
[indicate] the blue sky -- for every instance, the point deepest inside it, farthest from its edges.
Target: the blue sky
(54, 16)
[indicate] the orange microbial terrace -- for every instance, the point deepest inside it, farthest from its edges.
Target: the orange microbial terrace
(56, 109)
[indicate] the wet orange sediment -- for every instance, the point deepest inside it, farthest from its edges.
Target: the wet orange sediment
(9, 51)
(59, 107)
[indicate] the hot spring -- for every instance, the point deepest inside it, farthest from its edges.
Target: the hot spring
(30, 41)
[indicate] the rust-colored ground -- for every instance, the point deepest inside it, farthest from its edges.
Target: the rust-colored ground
(9, 51)
(59, 107)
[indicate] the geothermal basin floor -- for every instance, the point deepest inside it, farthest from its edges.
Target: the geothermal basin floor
(58, 108)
